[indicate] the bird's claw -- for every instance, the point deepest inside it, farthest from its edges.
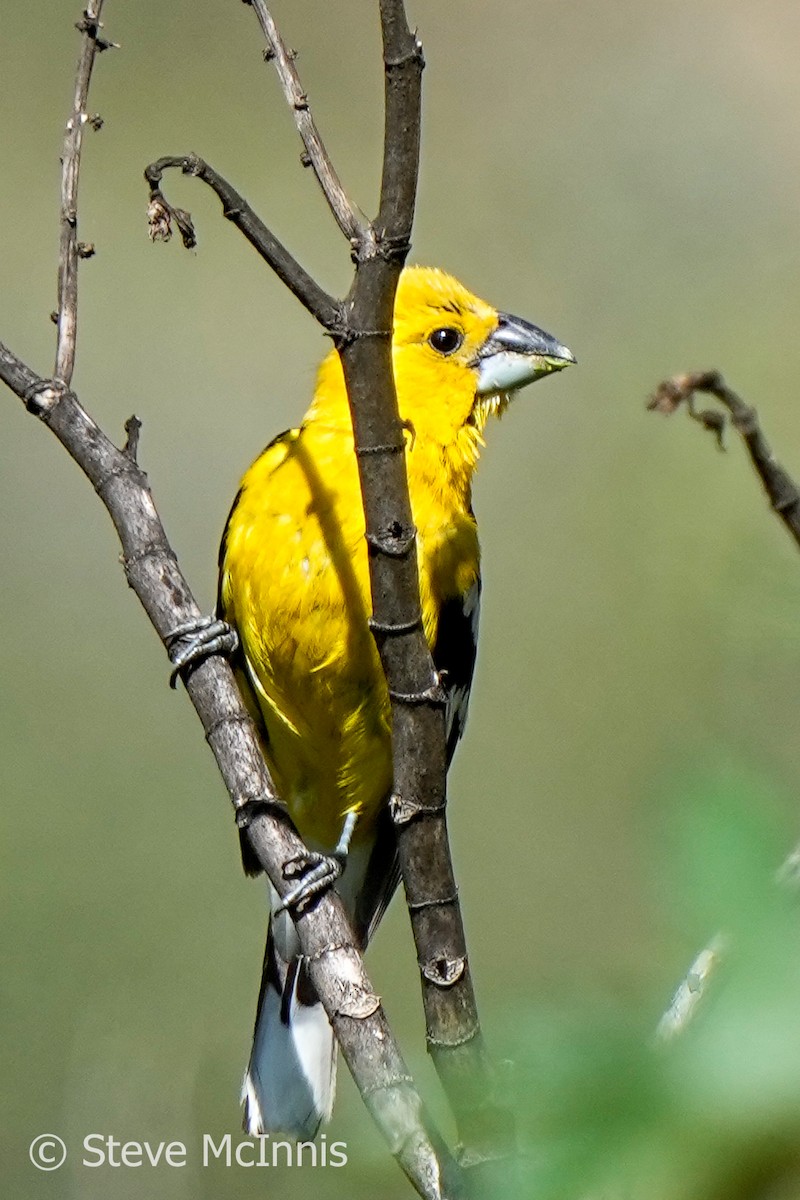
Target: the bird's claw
(195, 641)
(315, 873)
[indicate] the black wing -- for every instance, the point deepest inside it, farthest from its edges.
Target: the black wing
(454, 657)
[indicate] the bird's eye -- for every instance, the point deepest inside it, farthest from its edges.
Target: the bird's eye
(446, 341)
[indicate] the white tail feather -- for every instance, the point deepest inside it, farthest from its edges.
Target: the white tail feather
(290, 1080)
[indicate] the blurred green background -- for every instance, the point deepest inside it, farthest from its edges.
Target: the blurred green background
(626, 176)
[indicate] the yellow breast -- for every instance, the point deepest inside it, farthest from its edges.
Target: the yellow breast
(295, 583)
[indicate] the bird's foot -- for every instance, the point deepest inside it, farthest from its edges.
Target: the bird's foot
(316, 872)
(195, 641)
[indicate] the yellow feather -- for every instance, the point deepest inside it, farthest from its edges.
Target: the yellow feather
(295, 578)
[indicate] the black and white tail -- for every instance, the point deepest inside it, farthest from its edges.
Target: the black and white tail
(290, 1080)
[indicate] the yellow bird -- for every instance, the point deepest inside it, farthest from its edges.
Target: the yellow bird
(294, 585)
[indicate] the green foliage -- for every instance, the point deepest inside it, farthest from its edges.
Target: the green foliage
(714, 1112)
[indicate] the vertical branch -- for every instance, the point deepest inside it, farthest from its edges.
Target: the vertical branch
(403, 66)
(418, 803)
(70, 250)
(362, 331)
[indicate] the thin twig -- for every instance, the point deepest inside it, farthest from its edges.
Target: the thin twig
(353, 224)
(784, 498)
(70, 250)
(403, 65)
(161, 213)
(779, 486)
(694, 986)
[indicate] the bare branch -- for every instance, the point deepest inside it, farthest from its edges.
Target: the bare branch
(418, 804)
(361, 329)
(334, 963)
(325, 308)
(351, 221)
(70, 250)
(151, 568)
(403, 65)
(784, 497)
(779, 486)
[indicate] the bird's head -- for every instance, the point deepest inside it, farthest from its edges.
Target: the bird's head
(457, 360)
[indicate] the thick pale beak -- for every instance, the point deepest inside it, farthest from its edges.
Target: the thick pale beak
(515, 354)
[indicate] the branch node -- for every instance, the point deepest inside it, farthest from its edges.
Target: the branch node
(430, 695)
(42, 397)
(415, 54)
(381, 448)
(437, 902)
(444, 972)
(357, 1002)
(225, 722)
(132, 429)
(127, 468)
(783, 503)
(453, 1044)
(148, 549)
(397, 541)
(248, 808)
(330, 948)
(343, 335)
(90, 25)
(395, 628)
(389, 247)
(403, 810)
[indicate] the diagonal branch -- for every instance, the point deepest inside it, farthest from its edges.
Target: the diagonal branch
(784, 497)
(779, 486)
(353, 224)
(152, 571)
(70, 249)
(235, 208)
(334, 963)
